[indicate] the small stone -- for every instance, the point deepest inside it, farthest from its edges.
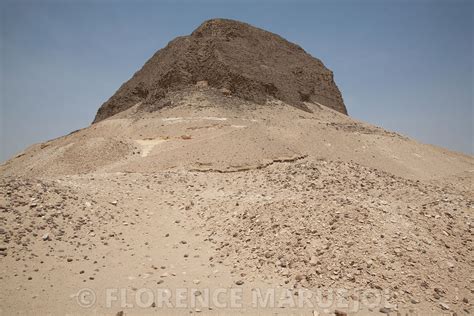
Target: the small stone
(202, 84)
(385, 310)
(114, 203)
(414, 301)
(69, 260)
(340, 313)
(444, 306)
(3, 247)
(197, 293)
(45, 237)
(160, 281)
(225, 91)
(184, 242)
(196, 281)
(465, 300)
(239, 282)
(440, 291)
(299, 277)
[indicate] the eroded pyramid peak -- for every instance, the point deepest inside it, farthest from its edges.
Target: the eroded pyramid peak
(250, 63)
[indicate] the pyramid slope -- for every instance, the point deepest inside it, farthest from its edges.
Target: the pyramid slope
(203, 129)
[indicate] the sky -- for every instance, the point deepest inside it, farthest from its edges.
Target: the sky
(406, 66)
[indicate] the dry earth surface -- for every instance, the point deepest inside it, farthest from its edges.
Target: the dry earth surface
(212, 192)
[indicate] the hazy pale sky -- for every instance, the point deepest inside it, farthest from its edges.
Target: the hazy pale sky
(404, 65)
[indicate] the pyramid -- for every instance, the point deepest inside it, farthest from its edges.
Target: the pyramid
(237, 58)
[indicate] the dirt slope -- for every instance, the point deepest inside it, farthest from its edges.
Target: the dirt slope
(204, 129)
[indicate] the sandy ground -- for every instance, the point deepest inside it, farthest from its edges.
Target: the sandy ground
(214, 205)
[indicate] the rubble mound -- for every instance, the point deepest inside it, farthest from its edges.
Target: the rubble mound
(237, 58)
(377, 231)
